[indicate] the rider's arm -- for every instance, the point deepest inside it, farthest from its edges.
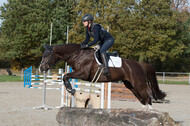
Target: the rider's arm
(96, 30)
(87, 38)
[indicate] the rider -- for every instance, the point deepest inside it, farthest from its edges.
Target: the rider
(100, 35)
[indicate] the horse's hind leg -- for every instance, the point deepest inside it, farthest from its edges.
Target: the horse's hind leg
(145, 96)
(141, 95)
(131, 88)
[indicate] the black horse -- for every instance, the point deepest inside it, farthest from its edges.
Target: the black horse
(140, 78)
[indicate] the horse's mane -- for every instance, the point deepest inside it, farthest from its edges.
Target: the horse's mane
(73, 46)
(70, 44)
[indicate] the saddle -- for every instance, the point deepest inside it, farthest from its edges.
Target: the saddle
(113, 59)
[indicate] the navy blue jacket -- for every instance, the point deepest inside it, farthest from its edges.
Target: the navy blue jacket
(96, 32)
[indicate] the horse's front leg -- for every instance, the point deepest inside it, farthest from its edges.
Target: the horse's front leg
(78, 75)
(68, 84)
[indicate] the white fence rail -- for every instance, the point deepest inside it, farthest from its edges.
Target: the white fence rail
(173, 77)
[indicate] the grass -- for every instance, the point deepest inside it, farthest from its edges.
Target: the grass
(173, 82)
(5, 78)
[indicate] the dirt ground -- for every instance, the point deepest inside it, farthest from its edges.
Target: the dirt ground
(17, 102)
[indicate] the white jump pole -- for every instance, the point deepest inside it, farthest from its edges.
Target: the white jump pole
(102, 96)
(62, 92)
(44, 90)
(72, 97)
(67, 43)
(51, 34)
(44, 106)
(67, 71)
(109, 95)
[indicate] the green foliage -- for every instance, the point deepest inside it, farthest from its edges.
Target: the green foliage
(4, 64)
(147, 30)
(144, 31)
(26, 27)
(62, 16)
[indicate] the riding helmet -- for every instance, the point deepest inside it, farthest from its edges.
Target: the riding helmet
(87, 17)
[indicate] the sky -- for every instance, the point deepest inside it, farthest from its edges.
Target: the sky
(1, 3)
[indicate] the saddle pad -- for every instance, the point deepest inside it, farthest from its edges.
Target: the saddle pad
(113, 61)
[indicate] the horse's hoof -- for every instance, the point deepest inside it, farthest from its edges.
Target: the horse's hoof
(73, 91)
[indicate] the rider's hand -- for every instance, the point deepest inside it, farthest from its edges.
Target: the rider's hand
(84, 46)
(96, 47)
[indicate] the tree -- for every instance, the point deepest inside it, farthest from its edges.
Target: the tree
(143, 30)
(62, 16)
(106, 12)
(26, 27)
(150, 32)
(180, 5)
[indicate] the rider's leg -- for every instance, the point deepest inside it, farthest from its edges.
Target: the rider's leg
(105, 63)
(106, 45)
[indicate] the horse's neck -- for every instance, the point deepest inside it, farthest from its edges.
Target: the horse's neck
(69, 51)
(81, 56)
(72, 47)
(66, 49)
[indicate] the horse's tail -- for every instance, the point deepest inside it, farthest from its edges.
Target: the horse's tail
(153, 83)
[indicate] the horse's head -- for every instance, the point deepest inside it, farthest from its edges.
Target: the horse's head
(48, 59)
(53, 54)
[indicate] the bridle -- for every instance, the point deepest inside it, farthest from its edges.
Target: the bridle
(47, 53)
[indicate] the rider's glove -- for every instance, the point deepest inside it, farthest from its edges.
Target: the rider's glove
(84, 46)
(96, 47)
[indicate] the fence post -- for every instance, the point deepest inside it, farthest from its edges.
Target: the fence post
(163, 77)
(22, 73)
(189, 78)
(49, 72)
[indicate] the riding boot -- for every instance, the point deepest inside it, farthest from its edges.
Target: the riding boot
(105, 63)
